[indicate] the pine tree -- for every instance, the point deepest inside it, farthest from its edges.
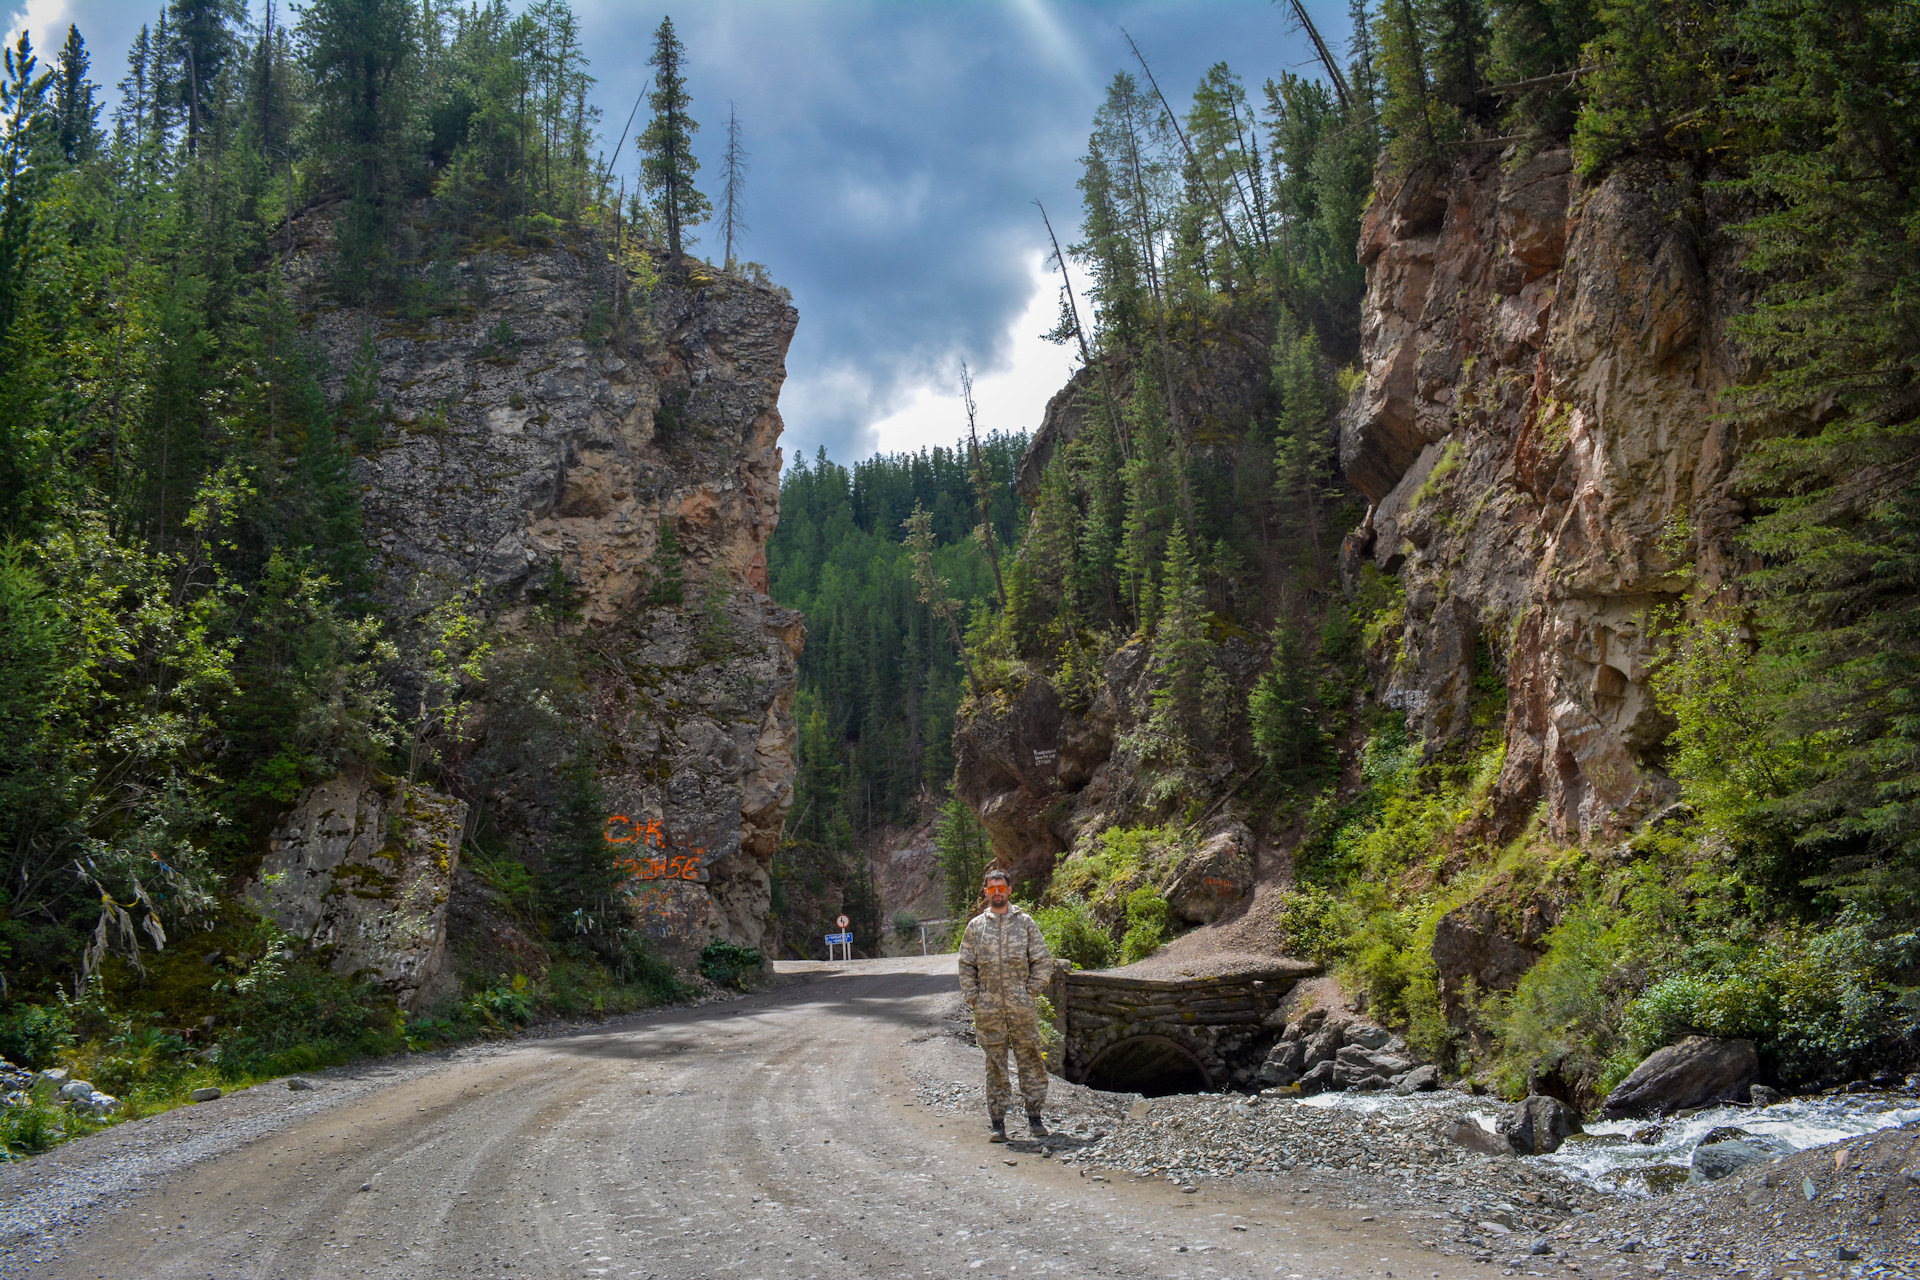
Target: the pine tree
(1182, 649)
(1834, 170)
(357, 52)
(1149, 502)
(76, 116)
(1303, 453)
(1662, 81)
(1534, 39)
(965, 854)
(581, 877)
(203, 42)
(670, 165)
(1281, 710)
(23, 130)
(668, 584)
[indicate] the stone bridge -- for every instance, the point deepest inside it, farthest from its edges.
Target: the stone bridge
(1158, 1032)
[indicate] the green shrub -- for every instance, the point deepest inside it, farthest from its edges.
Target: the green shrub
(32, 1035)
(1817, 1004)
(1383, 958)
(728, 965)
(28, 1128)
(510, 879)
(1148, 925)
(1565, 1012)
(1052, 1044)
(503, 1006)
(634, 965)
(1115, 863)
(1074, 935)
(1314, 922)
(292, 1013)
(906, 925)
(138, 1056)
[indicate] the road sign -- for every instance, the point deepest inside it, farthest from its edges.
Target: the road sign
(836, 939)
(842, 921)
(840, 940)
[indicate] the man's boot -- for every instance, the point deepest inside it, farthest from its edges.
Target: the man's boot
(1035, 1125)
(999, 1132)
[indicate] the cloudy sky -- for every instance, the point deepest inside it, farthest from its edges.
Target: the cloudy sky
(896, 152)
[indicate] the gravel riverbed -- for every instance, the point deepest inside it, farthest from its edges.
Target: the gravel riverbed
(1846, 1209)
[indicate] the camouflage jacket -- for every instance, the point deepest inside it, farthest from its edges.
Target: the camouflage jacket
(1003, 959)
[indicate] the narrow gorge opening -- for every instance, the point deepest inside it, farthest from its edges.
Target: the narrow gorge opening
(1152, 1066)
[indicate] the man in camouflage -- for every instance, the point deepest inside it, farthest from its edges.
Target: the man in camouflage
(1004, 964)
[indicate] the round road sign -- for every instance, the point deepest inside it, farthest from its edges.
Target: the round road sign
(842, 921)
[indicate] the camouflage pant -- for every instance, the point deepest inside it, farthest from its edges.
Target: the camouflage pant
(998, 1029)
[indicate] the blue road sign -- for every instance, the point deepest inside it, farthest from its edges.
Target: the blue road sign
(835, 939)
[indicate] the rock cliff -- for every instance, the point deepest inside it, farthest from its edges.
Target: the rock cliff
(1546, 479)
(529, 428)
(364, 867)
(1537, 438)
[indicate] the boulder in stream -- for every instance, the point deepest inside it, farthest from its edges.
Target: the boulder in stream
(1697, 1070)
(1538, 1125)
(1467, 1133)
(1713, 1161)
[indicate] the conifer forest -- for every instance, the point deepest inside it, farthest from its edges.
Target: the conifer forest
(1476, 552)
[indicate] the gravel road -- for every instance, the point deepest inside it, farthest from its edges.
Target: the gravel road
(775, 1135)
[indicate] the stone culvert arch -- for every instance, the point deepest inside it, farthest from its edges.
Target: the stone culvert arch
(1201, 1028)
(1153, 1064)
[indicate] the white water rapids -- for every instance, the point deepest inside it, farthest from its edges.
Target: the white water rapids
(1607, 1159)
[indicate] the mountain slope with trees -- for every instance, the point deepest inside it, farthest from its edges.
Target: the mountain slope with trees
(207, 605)
(881, 677)
(1522, 590)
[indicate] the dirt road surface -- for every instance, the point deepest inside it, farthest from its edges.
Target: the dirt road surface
(772, 1136)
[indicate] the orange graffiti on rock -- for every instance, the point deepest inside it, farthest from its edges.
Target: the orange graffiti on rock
(659, 862)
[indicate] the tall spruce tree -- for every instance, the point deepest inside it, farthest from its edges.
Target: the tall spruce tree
(1835, 173)
(667, 145)
(204, 40)
(357, 52)
(76, 116)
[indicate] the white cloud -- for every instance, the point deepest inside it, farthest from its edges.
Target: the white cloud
(1054, 39)
(46, 21)
(1010, 395)
(918, 408)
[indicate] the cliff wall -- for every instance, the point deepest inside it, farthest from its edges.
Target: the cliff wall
(1538, 440)
(1546, 475)
(510, 442)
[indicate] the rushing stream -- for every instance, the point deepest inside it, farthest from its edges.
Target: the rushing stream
(1608, 1158)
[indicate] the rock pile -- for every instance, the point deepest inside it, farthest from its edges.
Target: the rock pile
(1319, 1053)
(55, 1083)
(14, 1083)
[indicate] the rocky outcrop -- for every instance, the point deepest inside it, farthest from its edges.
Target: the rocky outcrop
(1538, 440)
(521, 432)
(1724, 1157)
(362, 867)
(1214, 878)
(1697, 1070)
(1466, 1132)
(1477, 949)
(1321, 1052)
(1042, 774)
(905, 865)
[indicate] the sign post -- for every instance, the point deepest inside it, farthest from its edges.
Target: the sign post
(926, 925)
(844, 938)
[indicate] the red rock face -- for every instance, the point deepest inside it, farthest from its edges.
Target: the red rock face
(1537, 435)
